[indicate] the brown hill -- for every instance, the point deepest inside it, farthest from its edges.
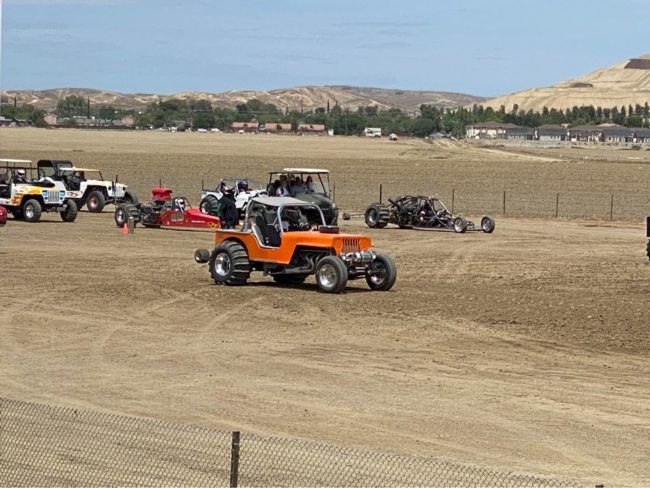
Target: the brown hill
(305, 97)
(625, 83)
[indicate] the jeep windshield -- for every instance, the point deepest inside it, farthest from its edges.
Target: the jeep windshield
(303, 180)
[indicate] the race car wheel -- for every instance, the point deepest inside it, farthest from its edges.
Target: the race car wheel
(70, 212)
(201, 256)
(209, 205)
(229, 264)
(331, 274)
(95, 201)
(487, 224)
(376, 216)
(290, 279)
(122, 213)
(382, 273)
(460, 225)
(32, 210)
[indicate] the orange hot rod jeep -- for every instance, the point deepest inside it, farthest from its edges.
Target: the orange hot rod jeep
(288, 239)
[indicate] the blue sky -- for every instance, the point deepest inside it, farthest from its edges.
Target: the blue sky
(162, 46)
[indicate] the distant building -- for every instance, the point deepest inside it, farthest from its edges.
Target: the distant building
(617, 134)
(520, 133)
(641, 135)
(551, 133)
(585, 133)
(488, 130)
(276, 127)
(244, 126)
(311, 128)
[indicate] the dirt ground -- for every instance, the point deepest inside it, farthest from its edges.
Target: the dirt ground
(523, 350)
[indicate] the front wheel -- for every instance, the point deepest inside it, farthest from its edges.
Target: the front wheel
(70, 212)
(382, 273)
(229, 264)
(487, 224)
(460, 225)
(32, 210)
(331, 274)
(95, 201)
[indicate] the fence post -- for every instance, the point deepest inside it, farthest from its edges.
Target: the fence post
(611, 208)
(159, 182)
(557, 205)
(504, 202)
(452, 200)
(381, 190)
(234, 460)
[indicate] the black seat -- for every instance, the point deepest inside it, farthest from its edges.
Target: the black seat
(269, 233)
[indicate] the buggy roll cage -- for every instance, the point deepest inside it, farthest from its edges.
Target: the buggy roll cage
(302, 172)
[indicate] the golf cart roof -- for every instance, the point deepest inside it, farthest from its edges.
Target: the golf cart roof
(281, 201)
(301, 170)
(17, 161)
(74, 168)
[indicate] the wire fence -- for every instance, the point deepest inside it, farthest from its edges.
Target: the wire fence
(42, 445)
(631, 206)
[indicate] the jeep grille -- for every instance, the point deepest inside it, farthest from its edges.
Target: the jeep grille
(52, 197)
(350, 244)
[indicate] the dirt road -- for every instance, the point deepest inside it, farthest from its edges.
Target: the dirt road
(523, 350)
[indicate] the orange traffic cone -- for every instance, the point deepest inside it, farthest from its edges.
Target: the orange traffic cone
(125, 229)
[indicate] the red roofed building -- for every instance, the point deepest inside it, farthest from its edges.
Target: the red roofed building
(312, 128)
(244, 126)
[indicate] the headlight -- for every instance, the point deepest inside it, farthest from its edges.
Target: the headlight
(333, 205)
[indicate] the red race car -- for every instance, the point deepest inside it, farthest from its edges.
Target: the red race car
(167, 212)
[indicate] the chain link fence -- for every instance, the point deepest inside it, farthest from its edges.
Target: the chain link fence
(62, 447)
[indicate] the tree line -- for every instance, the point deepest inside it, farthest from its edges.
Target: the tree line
(199, 113)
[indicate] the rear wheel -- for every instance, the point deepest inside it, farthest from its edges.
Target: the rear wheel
(70, 212)
(229, 264)
(460, 225)
(209, 205)
(377, 216)
(290, 279)
(382, 273)
(32, 210)
(331, 274)
(95, 201)
(487, 224)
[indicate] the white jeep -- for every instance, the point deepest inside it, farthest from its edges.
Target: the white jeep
(27, 199)
(243, 189)
(93, 191)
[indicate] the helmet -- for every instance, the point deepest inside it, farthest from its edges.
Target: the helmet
(20, 172)
(242, 185)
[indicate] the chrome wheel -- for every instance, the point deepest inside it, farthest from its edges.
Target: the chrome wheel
(372, 217)
(222, 264)
(29, 212)
(377, 274)
(327, 276)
